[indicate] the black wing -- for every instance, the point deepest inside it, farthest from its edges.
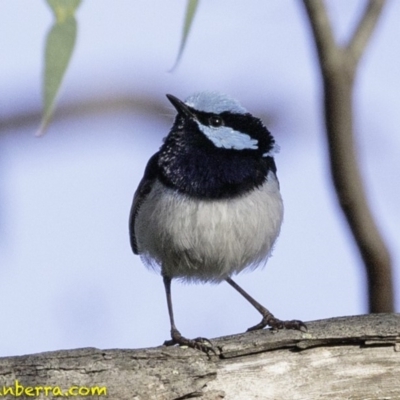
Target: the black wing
(144, 188)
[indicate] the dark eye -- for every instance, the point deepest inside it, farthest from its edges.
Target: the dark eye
(215, 121)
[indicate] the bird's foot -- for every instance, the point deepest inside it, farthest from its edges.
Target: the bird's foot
(199, 343)
(276, 324)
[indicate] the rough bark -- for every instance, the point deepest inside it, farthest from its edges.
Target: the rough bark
(340, 358)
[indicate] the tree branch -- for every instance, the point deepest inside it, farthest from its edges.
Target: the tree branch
(338, 67)
(322, 32)
(364, 29)
(336, 358)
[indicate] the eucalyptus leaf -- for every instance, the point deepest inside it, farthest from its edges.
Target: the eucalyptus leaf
(190, 13)
(59, 47)
(63, 9)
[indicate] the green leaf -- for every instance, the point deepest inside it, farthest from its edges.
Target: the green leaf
(59, 47)
(190, 12)
(63, 9)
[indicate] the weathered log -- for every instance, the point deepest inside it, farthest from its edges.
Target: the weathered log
(339, 358)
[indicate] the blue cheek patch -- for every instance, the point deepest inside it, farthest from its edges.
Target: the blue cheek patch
(227, 138)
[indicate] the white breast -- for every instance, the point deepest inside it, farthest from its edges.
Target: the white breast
(208, 240)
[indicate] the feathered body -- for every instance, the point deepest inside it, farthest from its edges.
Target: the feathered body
(209, 204)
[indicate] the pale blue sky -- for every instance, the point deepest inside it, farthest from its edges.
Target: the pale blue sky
(68, 276)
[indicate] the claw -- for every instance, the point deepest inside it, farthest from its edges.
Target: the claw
(276, 324)
(199, 343)
(268, 318)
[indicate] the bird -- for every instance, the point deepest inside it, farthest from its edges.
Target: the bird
(209, 205)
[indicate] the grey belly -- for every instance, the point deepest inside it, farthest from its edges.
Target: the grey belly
(208, 240)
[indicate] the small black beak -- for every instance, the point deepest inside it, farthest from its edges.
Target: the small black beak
(180, 106)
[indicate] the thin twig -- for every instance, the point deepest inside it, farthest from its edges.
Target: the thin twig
(322, 29)
(364, 29)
